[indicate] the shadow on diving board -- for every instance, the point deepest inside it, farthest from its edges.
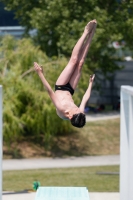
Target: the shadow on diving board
(62, 193)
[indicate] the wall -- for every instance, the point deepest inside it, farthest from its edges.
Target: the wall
(109, 92)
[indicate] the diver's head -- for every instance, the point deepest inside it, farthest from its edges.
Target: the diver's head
(78, 120)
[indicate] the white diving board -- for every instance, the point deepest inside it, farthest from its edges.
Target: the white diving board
(62, 193)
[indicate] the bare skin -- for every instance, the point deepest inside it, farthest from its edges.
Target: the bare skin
(65, 106)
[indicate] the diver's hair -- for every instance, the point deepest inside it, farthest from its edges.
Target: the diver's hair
(78, 120)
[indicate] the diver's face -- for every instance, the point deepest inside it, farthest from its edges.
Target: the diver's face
(73, 112)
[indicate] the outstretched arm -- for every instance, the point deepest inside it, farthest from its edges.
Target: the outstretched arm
(51, 93)
(87, 94)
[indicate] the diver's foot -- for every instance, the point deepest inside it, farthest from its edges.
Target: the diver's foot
(91, 26)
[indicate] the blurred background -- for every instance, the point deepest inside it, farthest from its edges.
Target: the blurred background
(46, 32)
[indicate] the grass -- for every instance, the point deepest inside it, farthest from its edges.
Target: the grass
(85, 176)
(96, 138)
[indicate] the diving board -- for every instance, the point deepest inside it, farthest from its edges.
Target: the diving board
(62, 193)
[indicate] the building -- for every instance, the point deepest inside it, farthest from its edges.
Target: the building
(10, 25)
(109, 93)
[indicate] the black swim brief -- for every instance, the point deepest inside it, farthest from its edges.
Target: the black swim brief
(66, 87)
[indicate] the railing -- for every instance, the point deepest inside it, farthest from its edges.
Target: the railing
(126, 144)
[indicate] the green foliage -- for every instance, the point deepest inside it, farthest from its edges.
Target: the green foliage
(28, 110)
(60, 23)
(81, 176)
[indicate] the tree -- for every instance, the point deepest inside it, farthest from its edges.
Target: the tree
(59, 24)
(28, 110)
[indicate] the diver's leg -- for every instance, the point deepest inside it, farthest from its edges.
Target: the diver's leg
(68, 71)
(77, 72)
